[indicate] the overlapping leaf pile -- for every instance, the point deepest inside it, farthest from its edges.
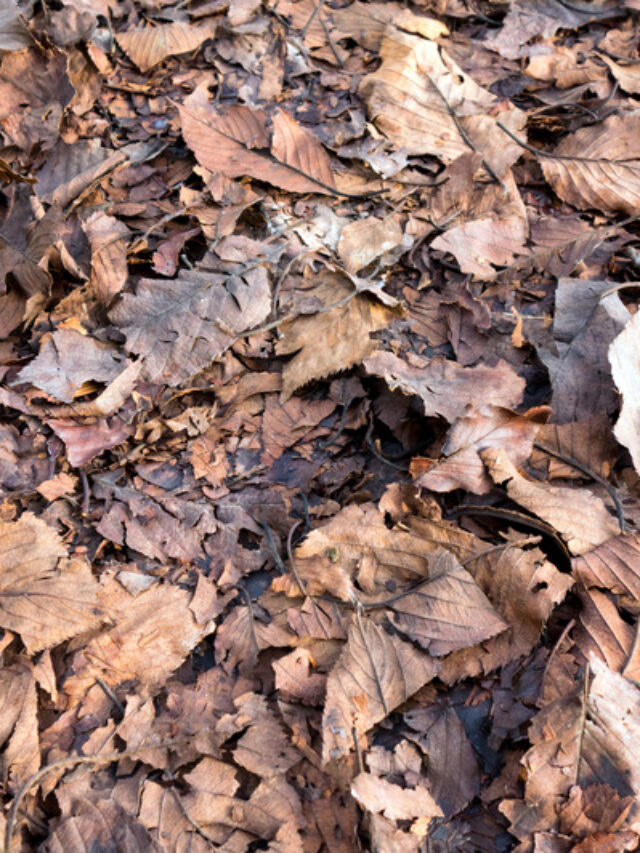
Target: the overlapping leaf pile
(320, 426)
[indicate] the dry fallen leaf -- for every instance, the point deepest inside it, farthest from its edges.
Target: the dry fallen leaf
(149, 46)
(624, 356)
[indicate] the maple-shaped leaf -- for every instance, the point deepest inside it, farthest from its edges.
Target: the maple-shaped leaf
(335, 338)
(624, 356)
(375, 673)
(178, 326)
(41, 600)
(149, 46)
(425, 103)
(598, 166)
(237, 140)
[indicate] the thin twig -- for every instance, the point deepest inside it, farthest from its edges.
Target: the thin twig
(371, 445)
(553, 156)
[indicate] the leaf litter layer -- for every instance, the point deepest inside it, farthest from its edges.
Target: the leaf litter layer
(319, 426)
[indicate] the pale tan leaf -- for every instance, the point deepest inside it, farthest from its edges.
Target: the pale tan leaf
(335, 338)
(624, 356)
(180, 325)
(235, 141)
(578, 515)
(364, 240)
(479, 428)
(627, 75)
(378, 795)
(483, 244)
(100, 824)
(598, 166)
(602, 632)
(367, 22)
(375, 673)
(41, 600)
(151, 636)
(149, 46)
(424, 102)
(445, 388)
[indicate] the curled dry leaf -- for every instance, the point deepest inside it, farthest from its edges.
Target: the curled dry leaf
(378, 795)
(19, 731)
(149, 46)
(598, 166)
(375, 673)
(624, 356)
(425, 103)
(107, 236)
(237, 141)
(478, 429)
(40, 599)
(578, 515)
(445, 388)
(180, 325)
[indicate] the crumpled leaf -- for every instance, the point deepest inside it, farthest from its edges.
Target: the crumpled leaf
(424, 102)
(333, 339)
(67, 361)
(375, 673)
(235, 141)
(376, 795)
(41, 600)
(578, 515)
(180, 325)
(598, 166)
(478, 428)
(624, 356)
(147, 47)
(445, 388)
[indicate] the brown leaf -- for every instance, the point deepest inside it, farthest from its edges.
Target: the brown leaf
(624, 356)
(612, 566)
(334, 339)
(448, 612)
(424, 102)
(236, 141)
(597, 166)
(364, 240)
(523, 588)
(375, 673)
(295, 678)
(86, 441)
(107, 236)
(244, 633)
(68, 361)
(151, 636)
(584, 325)
(379, 795)
(41, 600)
(19, 727)
(578, 515)
(445, 388)
(102, 823)
(180, 325)
(602, 632)
(478, 429)
(149, 46)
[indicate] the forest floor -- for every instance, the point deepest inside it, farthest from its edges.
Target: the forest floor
(319, 426)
